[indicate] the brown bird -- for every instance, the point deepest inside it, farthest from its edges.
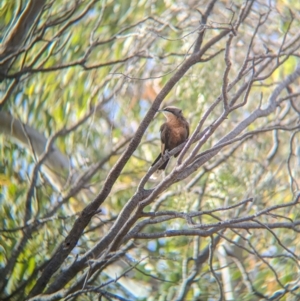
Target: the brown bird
(173, 132)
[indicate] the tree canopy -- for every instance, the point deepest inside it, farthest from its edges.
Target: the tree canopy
(84, 215)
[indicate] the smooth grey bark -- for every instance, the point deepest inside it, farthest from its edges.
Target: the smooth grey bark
(18, 33)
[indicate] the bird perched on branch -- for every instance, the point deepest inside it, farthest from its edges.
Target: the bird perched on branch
(173, 132)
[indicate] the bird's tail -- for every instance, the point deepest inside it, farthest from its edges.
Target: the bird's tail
(163, 166)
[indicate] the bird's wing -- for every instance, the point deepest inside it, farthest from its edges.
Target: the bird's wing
(187, 130)
(164, 135)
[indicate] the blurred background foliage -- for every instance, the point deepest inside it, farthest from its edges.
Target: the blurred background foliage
(110, 59)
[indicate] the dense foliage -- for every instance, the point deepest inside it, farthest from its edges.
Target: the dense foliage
(82, 217)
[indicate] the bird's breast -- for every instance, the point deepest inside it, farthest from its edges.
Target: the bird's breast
(178, 135)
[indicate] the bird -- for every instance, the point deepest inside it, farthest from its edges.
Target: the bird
(172, 133)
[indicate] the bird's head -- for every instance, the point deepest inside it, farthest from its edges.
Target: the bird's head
(171, 111)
